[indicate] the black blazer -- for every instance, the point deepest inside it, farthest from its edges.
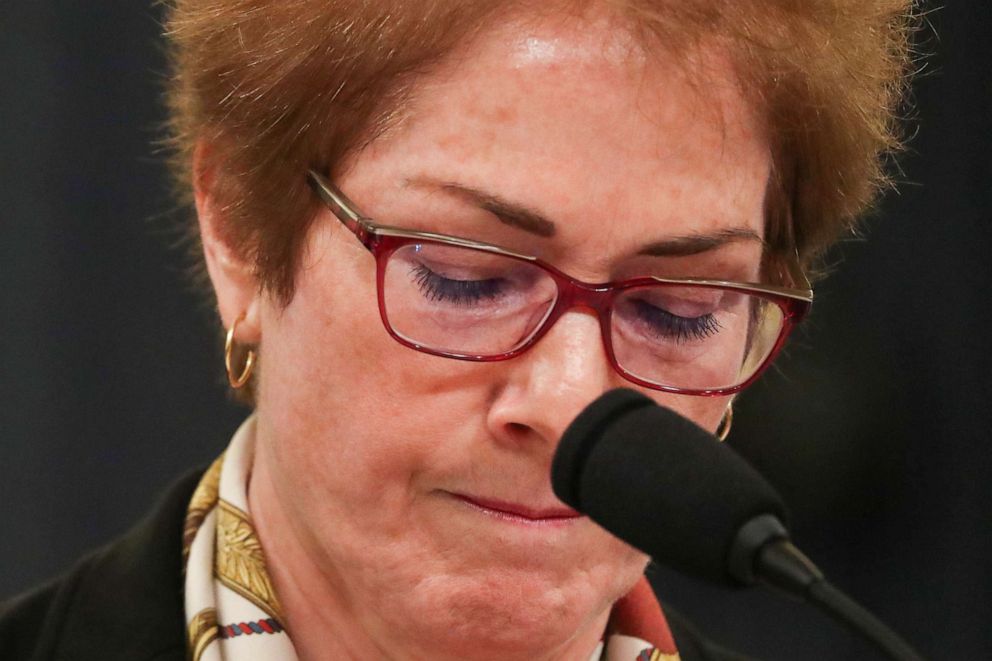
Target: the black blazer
(125, 602)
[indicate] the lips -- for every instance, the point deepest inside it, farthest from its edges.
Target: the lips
(519, 512)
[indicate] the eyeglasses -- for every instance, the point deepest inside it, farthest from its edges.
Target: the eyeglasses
(469, 300)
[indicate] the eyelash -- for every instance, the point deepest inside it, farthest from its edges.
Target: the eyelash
(439, 288)
(682, 329)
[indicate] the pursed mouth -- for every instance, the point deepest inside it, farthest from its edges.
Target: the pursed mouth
(520, 513)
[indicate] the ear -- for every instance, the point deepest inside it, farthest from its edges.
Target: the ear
(235, 285)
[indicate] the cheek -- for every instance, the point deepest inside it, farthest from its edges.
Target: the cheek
(354, 415)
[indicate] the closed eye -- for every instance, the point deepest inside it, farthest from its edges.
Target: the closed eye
(664, 324)
(436, 287)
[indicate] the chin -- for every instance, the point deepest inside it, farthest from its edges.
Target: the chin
(506, 625)
(510, 614)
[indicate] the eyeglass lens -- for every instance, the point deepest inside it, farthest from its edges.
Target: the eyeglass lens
(466, 302)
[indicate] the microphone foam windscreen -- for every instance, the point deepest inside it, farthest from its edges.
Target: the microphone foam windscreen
(659, 482)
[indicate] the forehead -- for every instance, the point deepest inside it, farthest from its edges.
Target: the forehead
(574, 117)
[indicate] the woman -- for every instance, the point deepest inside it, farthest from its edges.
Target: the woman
(389, 496)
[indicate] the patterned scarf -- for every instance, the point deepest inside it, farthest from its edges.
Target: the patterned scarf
(232, 611)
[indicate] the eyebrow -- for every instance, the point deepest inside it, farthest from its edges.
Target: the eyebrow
(508, 213)
(694, 244)
(529, 220)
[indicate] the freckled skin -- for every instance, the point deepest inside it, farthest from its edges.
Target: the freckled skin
(360, 440)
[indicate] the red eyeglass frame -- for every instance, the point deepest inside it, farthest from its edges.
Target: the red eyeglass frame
(383, 240)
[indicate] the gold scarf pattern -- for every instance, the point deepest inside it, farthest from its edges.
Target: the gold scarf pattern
(231, 605)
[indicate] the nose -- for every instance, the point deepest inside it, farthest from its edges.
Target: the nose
(544, 389)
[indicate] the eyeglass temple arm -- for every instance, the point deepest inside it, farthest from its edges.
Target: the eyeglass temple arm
(342, 207)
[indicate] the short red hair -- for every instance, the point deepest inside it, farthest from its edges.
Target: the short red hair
(278, 86)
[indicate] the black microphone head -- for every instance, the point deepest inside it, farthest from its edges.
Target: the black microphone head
(660, 483)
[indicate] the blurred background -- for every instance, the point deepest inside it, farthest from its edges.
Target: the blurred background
(876, 425)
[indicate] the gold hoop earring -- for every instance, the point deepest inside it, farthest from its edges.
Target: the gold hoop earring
(237, 381)
(723, 431)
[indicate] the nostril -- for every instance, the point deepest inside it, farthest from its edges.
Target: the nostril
(517, 434)
(517, 429)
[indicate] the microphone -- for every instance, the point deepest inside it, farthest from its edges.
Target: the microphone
(669, 488)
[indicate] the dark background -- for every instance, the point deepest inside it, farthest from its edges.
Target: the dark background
(876, 426)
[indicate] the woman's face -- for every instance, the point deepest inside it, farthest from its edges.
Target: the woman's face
(376, 458)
